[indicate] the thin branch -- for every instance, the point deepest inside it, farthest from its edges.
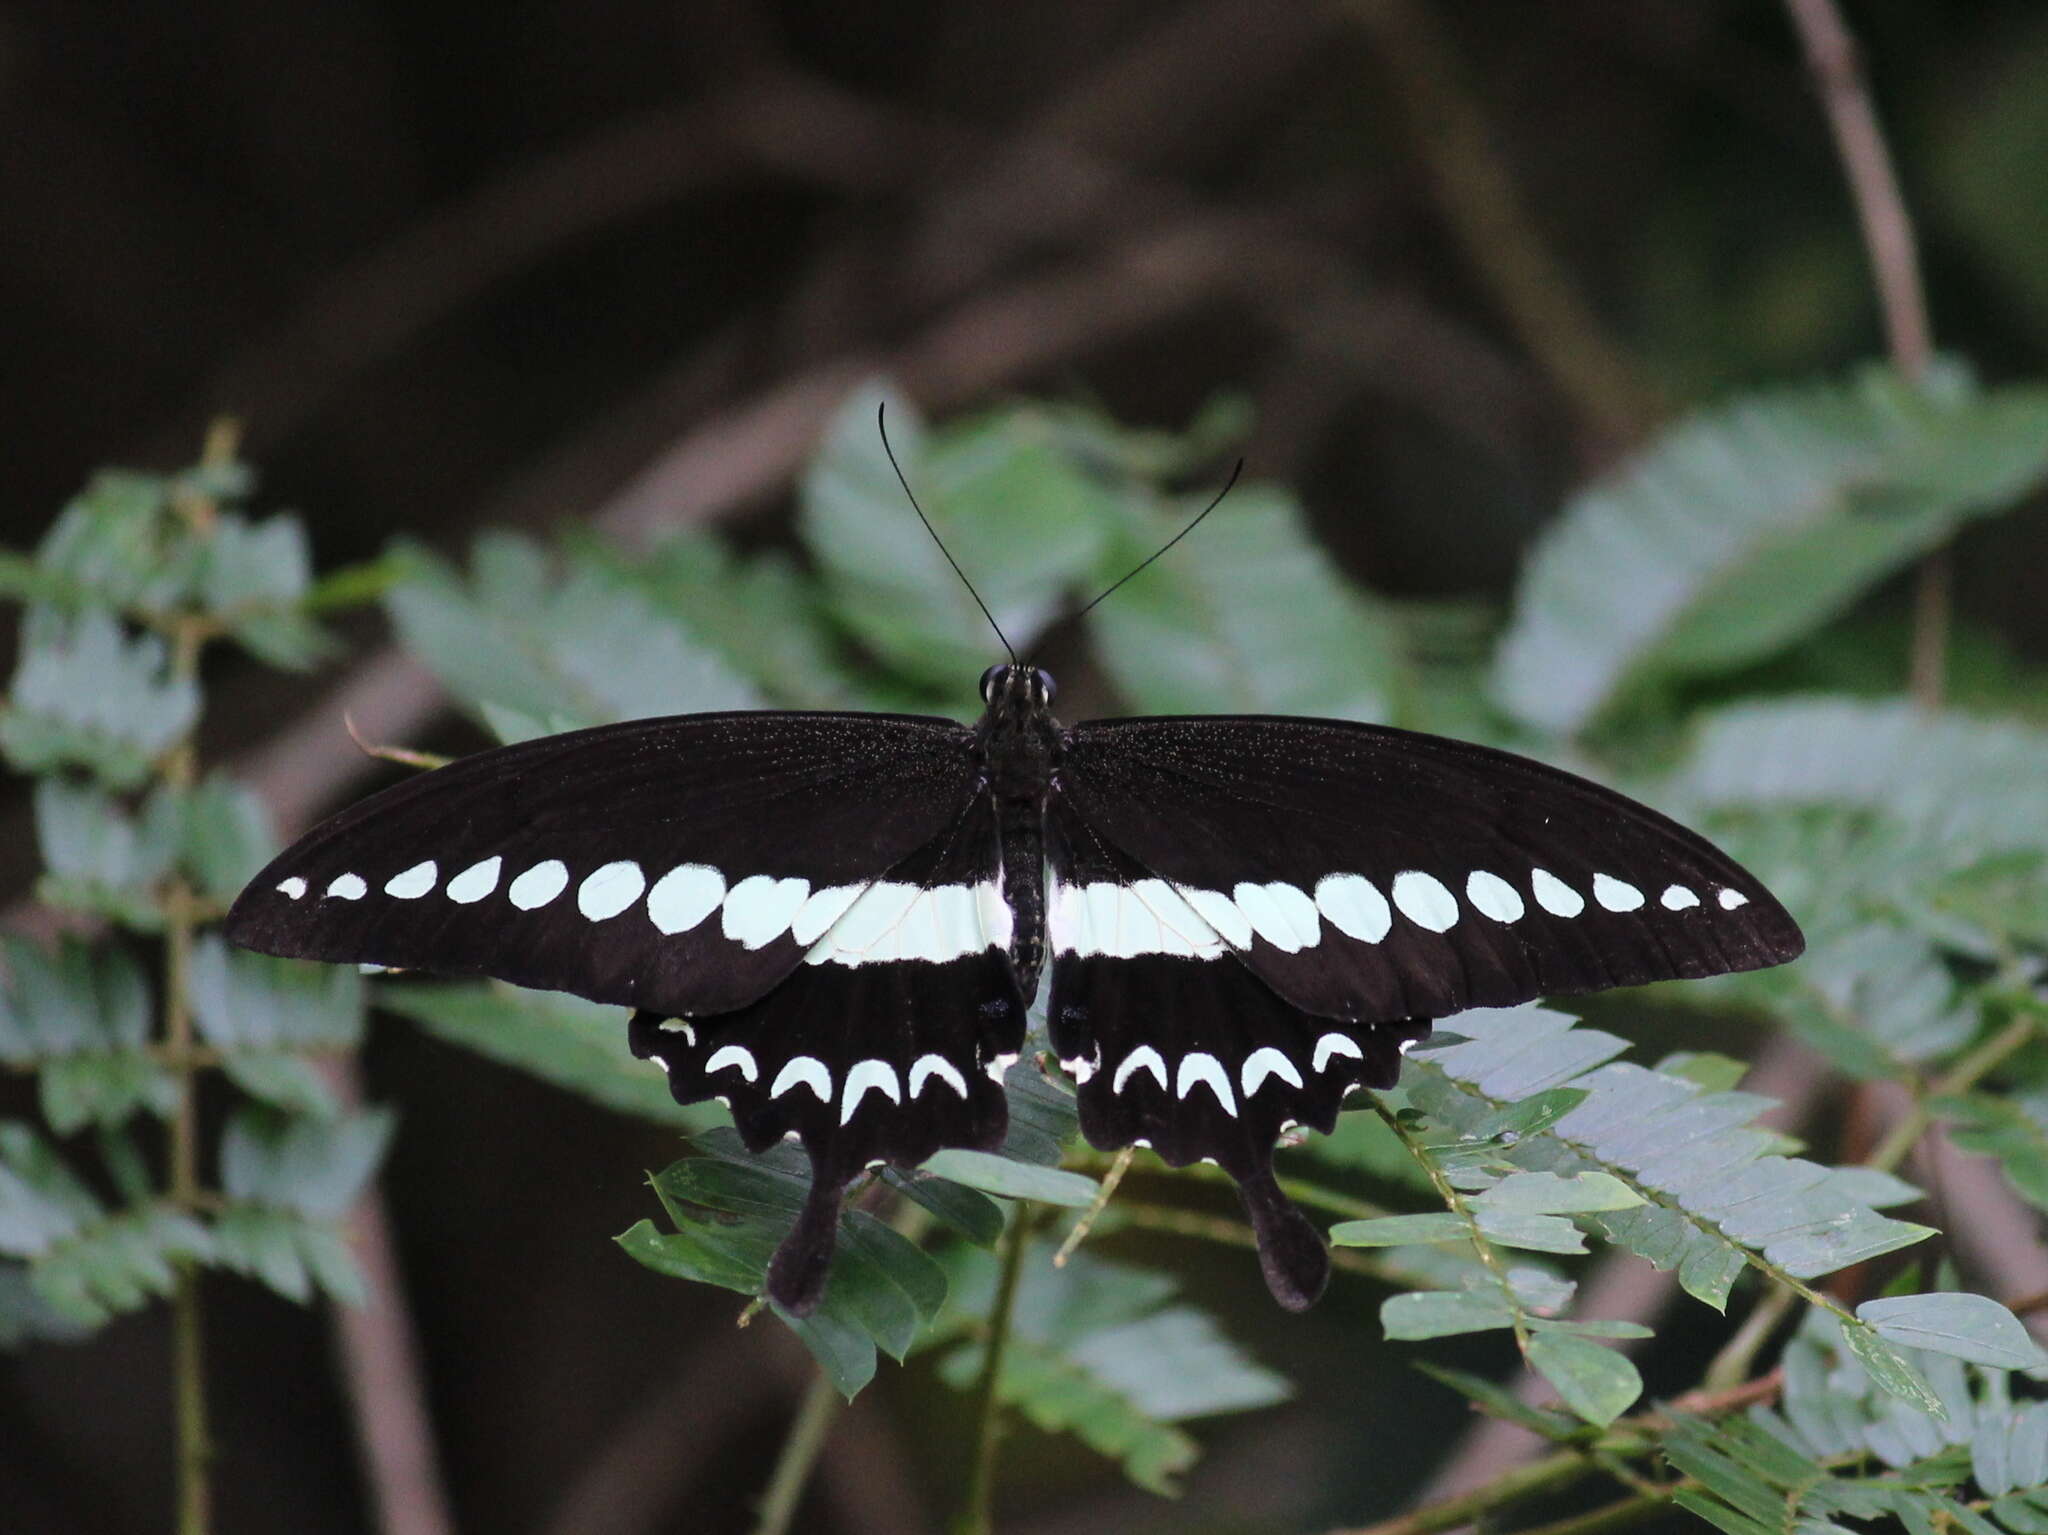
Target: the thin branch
(1549, 1474)
(821, 1406)
(976, 1517)
(1499, 237)
(1888, 238)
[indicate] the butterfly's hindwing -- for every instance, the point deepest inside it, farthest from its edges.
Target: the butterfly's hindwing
(887, 1043)
(1370, 873)
(680, 865)
(1177, 1045)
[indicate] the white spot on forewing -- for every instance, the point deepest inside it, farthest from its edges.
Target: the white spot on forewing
(1280, 913)
(806, 1070)
(610, 890)
(348, 887)
(1223, 915)
(1200, 1066)
(821, 908)
(868, 930)
(1730, 899)
(759, 909)
(1334, 1045)
(1616, 894)
(925, 1067)
(996, 921)
(733, 1055)
(476, 881)
(292, 888)
(414, 882)
(1424, 900)
(1354, 906)
(685, 896)
(1492, 896)
(1266, 1062)
(539, 885)
(1555, 896)
(1677, 898)
(1144, 1058)
(1181, 928)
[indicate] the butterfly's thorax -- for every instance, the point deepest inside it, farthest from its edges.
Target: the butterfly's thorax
(1019, 741)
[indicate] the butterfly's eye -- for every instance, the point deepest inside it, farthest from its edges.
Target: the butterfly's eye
(989, 679)
(1046, 686)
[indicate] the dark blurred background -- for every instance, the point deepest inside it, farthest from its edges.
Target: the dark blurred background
(457, 265)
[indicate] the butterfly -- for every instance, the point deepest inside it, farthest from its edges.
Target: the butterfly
(835, 922)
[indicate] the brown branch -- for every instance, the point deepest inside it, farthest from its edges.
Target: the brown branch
(1497, 233)
(1888, 238)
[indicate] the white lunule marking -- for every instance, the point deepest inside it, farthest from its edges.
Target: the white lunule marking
(807, 1070)
(539, 885)
(1492, 896)
(759, 909)
(1730, 899)
(1616, 894)
(685, 896)
(1222, 914)
(1555, 896)
(1201, 1066)
(925, 1067)
(1335, 1044)
(677, 1026)
(861, 1076)
(610, 890)
(1144, 1058)
(1082, 1067)
(661, 1063)
(821, 908)
(414, 882)
(1280, 913)
(733, 1055)
(999, 1066)
(1424, 900)
(293, 888)
(1266, 1062)
(1354, 906)
(348, 887)
(475, 882)
(1677, 898)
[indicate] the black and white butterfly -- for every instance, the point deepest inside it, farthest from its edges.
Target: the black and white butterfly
(835, 922)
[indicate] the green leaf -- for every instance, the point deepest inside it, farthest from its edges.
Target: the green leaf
(117, 1263)
(1011, 504)
(254, 576)
(226, 837)
(974, 1216)
(86, 696)
(1972, 1327)
(42, 1201)
(1549, 1194)
(311, 1167)
(1248, 616)
(1399, 1230)
(559, 1038)
(1504, 1404)
(1595, 1382)
(26, 1317)
(586, 645)
(2012, 1128)
(1891, 1370)
(1012, 1180)
(99, 858)
(286, 1251)
(1443, 1313)
(1541, 1233)
(82, 1016)
(1750, 524)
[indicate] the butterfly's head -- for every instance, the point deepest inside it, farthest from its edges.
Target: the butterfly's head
(1015, 685)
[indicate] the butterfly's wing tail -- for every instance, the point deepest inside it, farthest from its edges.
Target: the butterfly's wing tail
(885, 1044)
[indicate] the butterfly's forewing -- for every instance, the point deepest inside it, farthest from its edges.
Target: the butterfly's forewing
(1372, 873)
(886, 1044)
(680, 865)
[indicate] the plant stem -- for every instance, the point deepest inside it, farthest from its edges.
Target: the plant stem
(1731, 1366)
(1905, 1135)
(178, 769)
(1538, 1476)
(1612, 1516)
(975, 1517)
(814, 1418)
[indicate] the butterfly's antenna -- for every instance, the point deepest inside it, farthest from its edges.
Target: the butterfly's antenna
(882, 426)
(1183, 533)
